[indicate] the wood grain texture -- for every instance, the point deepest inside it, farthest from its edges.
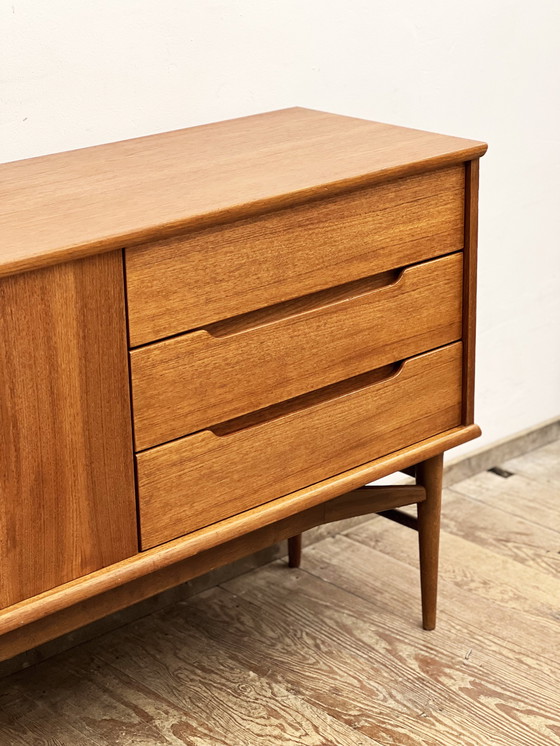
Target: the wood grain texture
(486, 658)
(476, 568)
(76, 603)
(68, 205)
(25, 720)
(204, 478)
(509, 495)
(467, 621)
(469, 288)
(184, 283)
(110, 703)
(391, 684)
(178, 384)
(517, 537)
(348, 682)
(103, 718)
(160, 689)
(66, 471)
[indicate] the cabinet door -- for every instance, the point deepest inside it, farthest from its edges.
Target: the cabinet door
(67, 503)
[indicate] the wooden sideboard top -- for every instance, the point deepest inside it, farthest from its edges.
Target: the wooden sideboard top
(69, 205)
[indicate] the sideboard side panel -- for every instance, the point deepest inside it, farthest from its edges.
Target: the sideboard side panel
(469, 288)
(67, 499)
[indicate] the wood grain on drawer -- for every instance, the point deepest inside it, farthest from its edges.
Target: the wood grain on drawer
(208, 476)
(199, 379)
(184, 283)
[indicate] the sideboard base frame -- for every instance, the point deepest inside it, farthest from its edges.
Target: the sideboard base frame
(82, 601)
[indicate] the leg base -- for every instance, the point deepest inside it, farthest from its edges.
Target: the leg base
(294, 551)
(429, 475)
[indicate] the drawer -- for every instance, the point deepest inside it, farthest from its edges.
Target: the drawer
(191, 382)
(213, 474)
(184, 283)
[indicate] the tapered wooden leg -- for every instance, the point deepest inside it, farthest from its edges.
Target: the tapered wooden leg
(429, 475)
(294, 551)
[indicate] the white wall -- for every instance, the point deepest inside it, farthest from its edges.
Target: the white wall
(76, 73)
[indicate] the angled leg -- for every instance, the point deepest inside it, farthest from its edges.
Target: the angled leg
(294, 551)
(429, 475)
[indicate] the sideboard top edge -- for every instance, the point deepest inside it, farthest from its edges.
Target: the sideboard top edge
(70, 205)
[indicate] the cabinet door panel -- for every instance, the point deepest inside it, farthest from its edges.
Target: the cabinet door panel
(67, 503)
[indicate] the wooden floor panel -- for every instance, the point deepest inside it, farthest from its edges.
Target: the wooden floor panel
(510, 635)
(334, 653)
(478, 569)
(536, 502)
(430, 694)
(542, 465)
(522, 540)
(147, 687)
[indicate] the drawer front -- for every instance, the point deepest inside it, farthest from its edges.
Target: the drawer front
(199, 379)
(184, 283)
(211, 475)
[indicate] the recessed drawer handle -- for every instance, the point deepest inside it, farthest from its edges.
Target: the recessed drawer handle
(300, 404)
(308, 304)
(203, 478)
(189, 383)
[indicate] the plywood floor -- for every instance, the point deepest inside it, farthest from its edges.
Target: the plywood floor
(333, 653)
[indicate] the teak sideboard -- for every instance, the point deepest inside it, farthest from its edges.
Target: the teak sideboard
(213, 339)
